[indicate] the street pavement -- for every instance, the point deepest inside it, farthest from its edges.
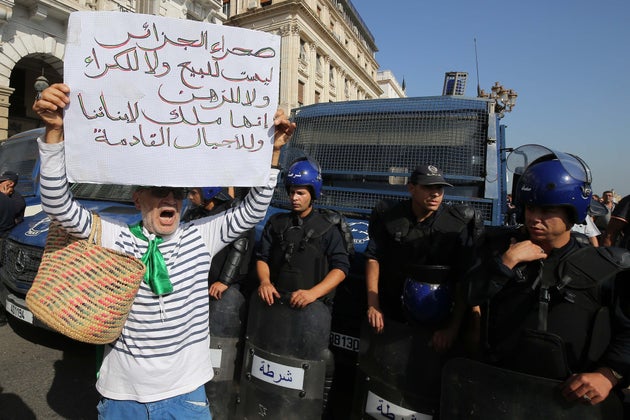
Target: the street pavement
(44, 375)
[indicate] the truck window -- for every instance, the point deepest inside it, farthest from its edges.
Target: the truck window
(20, 154)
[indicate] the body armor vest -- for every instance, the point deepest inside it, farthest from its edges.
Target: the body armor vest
(297, 259)
(568, 313)
(432, 243)
(406, 245)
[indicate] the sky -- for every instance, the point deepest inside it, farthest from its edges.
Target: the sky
(568, 60)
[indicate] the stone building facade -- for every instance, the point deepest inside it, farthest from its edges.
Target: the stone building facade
(391, 89)
(328, 53)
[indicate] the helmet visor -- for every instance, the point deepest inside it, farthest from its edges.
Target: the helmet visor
(521, 157)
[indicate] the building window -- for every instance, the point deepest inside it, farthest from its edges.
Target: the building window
(300, 98)
(318, 64)
(331, 74)
(264, 3)
(226, 8)
(317, 95)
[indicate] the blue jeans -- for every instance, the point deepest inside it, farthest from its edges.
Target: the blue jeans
(193, 406)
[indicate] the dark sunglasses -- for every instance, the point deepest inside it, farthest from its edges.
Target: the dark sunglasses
(162, 192)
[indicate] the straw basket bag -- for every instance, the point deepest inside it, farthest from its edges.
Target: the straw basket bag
(82, 289)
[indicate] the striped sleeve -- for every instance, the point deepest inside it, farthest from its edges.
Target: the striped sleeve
(57, 200)
(219, 231)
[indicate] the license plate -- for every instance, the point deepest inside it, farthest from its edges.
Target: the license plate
(18, 312)
(345, 342)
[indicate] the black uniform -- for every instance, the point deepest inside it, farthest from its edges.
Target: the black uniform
(398, 242)
(300, 252)
(567, 313)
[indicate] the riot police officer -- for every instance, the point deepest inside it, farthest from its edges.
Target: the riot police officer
(554, 307)
(300, 252)
(302, 258)
(418, 251)
(419, 232)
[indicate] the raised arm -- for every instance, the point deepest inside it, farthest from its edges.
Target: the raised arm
(283, 131)
(254, 206)
(57, 201)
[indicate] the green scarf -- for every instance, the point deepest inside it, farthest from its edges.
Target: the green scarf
(156, 275)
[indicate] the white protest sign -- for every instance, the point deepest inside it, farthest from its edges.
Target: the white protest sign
(159, 101)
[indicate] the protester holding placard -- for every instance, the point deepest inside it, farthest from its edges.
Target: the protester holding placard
(162, 359)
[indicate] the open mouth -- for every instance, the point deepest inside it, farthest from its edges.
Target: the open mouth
(167, 216)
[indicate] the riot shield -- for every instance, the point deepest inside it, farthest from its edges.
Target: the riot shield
(226, 320)
(284, 362)
(474, 390)
(398, 373)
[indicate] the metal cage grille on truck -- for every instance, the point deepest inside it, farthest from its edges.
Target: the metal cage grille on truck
(367, 150)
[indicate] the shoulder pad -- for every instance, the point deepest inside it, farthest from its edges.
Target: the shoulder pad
(461, 216)
(279, 221)
(618, 256)
(337, 219)
(385, 204)
(463, 212)
(384, 212)
(590, 265)
(581, 238)
(279, 216)
(331, 216)
(382, 207)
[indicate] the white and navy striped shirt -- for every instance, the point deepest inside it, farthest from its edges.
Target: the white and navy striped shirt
(164, 347)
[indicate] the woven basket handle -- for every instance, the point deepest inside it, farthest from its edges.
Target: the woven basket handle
(95, 233)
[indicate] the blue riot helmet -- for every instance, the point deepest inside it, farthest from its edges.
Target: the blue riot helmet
(305, 172)
(426, 294)
(552, 178)
(209, 193)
